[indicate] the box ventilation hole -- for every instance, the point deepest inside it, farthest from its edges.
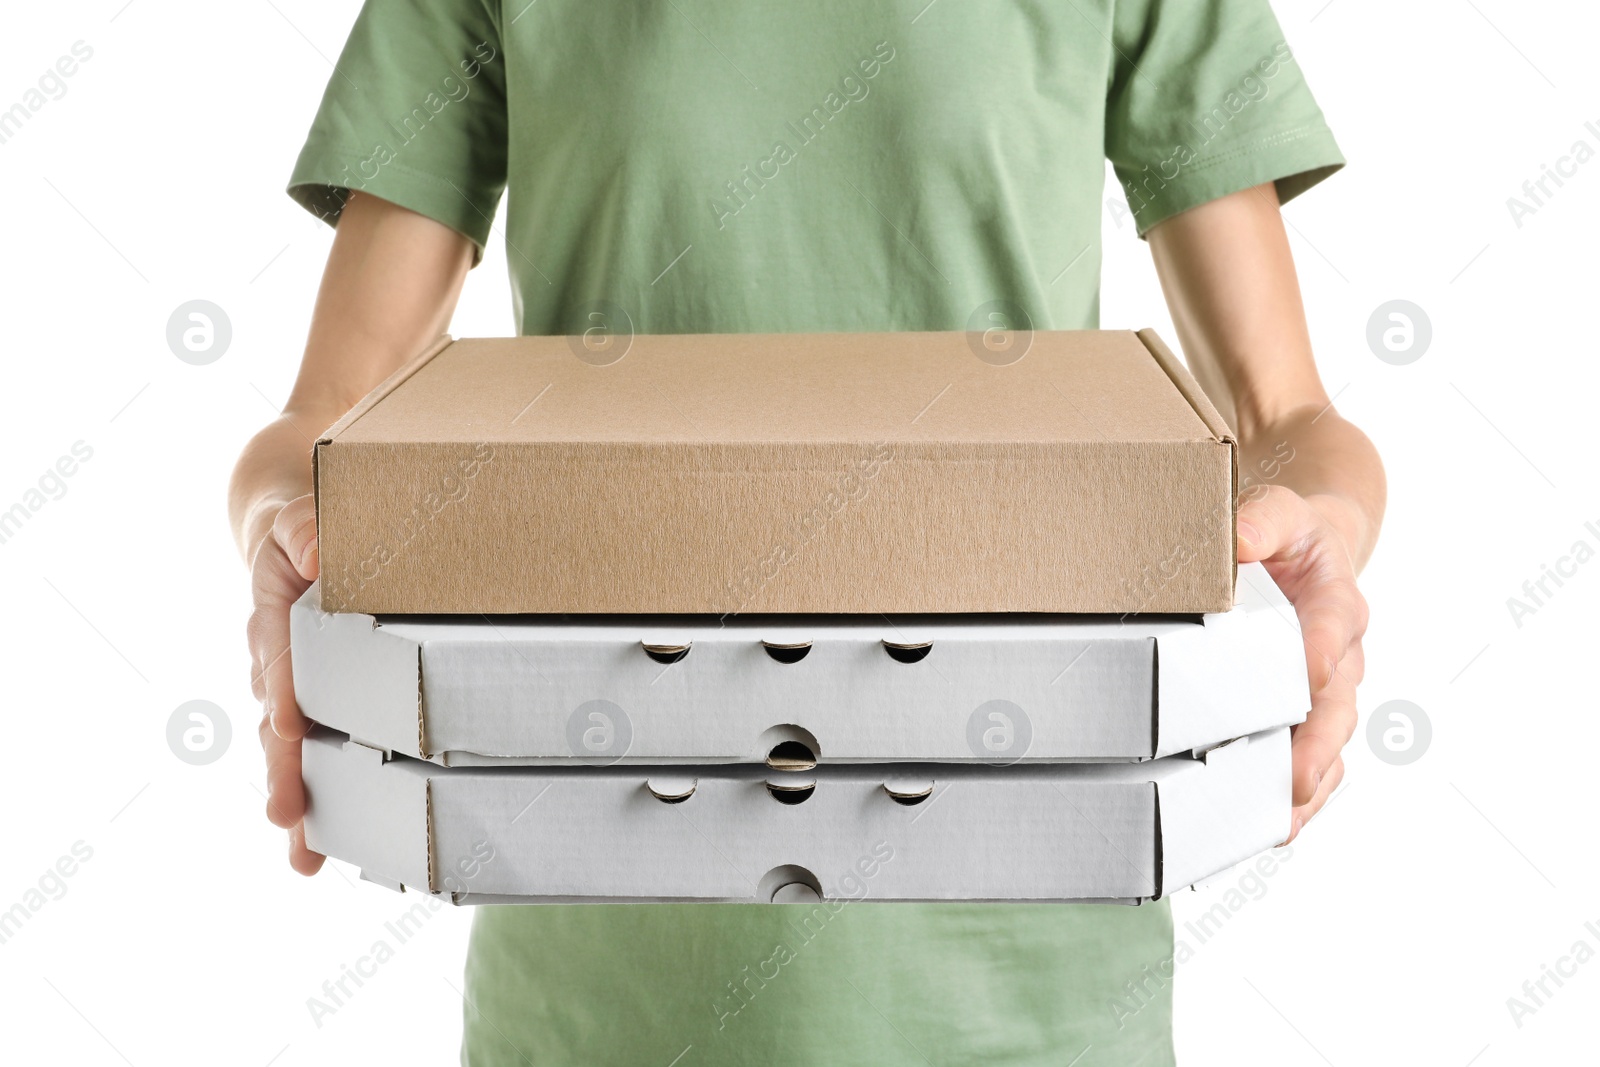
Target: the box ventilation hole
(791, 792)
(787, 653)
(672, 790)
(666, 653)
(791, 756)
(789, 884)
(909, 793)
(908, 651)
(795, 893)
(787, 747)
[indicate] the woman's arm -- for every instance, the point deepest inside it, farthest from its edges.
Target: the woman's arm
(1312, 486)
(389, 288)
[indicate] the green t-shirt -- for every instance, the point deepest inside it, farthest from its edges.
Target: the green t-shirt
(750, 166)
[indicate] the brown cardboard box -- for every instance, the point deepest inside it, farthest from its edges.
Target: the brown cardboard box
(830, 473)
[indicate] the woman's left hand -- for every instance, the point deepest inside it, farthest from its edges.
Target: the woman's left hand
(1299, 542)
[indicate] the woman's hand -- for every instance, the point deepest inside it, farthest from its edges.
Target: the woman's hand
(1230, 281)
(1299, 541)
(391, 283)
(284, 565)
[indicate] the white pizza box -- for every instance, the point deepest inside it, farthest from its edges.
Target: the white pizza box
(747, 833)
(836, 689)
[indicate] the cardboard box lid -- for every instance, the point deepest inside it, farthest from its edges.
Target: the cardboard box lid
(1074, 385)
(1126, 832)
(508, 475)
(681, 689)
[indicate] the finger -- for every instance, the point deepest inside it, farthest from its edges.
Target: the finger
(286, 794)
(1354, 665)
(258, 678)
(1301, 550)
(263, 575)
(1319, 740)
(301, 858)
(1332, 614)
(276, 585)
(295, 530)
(1273, 520)
(1306, 812)
(287, 718)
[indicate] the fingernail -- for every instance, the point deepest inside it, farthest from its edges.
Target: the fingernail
(1249, 533)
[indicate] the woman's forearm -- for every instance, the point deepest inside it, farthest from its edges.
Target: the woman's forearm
(390, 286)
(1230, 282)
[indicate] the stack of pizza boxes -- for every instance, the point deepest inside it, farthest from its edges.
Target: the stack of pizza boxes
(916, 616)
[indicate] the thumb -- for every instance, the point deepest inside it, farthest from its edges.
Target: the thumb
(1271, 520)
(295, 530)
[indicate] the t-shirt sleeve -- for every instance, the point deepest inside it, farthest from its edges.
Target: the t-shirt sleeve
(1206, 99)
(414, 113)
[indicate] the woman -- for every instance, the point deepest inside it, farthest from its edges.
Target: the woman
(712, 166)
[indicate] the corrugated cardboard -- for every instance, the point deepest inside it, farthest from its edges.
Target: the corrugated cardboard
(655, 690)
(828, 473)
(1061, 832)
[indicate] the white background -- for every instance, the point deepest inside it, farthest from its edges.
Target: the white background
(1394, 933)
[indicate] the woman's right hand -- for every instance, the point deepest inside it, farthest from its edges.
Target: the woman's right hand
(284, 565)
(391, 283)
